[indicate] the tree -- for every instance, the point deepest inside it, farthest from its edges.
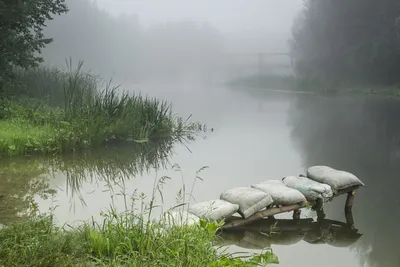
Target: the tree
(21, 32)
(348, 40)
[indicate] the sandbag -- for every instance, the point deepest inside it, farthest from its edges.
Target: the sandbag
(336, 179)
(311, 189)
(280, 193)
(180, 218)
(250, 200)
(214, 210)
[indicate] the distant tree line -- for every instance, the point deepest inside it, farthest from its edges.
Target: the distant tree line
(348, 41)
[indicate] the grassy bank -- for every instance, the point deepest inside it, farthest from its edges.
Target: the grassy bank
(139, 236)
(292, 83)
(121, 240)
(50, 111)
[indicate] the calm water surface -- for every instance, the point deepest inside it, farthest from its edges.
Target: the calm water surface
(256, 137)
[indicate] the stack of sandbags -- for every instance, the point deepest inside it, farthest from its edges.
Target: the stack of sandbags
(250, 200)
(311, 189)
(280, 193)
(336, 179)
(180, 218)
(214, 210)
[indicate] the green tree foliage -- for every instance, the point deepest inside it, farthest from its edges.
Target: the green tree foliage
(21, 32)
(352, 41)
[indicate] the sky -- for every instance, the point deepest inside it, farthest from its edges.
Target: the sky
(229, 16)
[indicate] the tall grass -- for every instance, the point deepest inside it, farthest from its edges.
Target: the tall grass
(77, 110)
(130, 238)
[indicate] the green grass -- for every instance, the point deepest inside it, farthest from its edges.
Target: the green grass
(120, 240)
(23, 137)
(51, 111)
(135, 237)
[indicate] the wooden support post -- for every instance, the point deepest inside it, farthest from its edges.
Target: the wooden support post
(296, 214)
(349, 201)
(349, 218)
(319, 208)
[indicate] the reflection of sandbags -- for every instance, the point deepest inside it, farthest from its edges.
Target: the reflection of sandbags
(250, 200)
(335, 238)
(286, 238)
(318, 236)
(254, 240)
(344, 238)
(336, 179)
(179, 218)
(215, 210)
(312, 190)
(280, 193)
(229, 238)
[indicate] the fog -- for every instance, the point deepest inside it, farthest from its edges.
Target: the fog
(191, 53)
(226, 15)
(176, 41)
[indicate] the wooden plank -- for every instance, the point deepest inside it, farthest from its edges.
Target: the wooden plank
(265, 213)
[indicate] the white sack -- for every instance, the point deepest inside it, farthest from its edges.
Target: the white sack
(180, 218)
(214, 210)
(250, 200)
(280, 193)
(312, 190)
(337, 179)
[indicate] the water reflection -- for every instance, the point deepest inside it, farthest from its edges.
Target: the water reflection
(111, 165)
(266, 233)
(361, 135)
(24, 179)
(20, 180)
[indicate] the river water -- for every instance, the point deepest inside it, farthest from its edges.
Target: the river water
(255, 137)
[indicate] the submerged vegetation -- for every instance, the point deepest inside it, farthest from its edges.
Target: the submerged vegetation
(50, 111)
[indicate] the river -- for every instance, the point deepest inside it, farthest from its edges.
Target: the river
(255, 137)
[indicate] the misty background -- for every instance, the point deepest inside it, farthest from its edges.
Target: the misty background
(176, 41)
(201, 42)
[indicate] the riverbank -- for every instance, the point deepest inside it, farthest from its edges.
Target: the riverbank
(257, 84)
(120, 240)
(49, 111)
